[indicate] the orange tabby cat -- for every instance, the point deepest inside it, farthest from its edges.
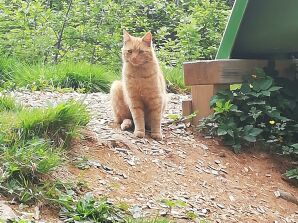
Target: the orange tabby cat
(141, 95)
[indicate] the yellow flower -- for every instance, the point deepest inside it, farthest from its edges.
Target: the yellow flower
(272, 122)
(254, 76)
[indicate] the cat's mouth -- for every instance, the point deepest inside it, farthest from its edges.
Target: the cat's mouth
(134, 63)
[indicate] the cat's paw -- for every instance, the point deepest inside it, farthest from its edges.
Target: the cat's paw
(156, 136)
(126, 124)
(139, 134)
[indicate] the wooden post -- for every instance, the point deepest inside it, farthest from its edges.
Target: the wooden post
(186, 107)
(201, 95)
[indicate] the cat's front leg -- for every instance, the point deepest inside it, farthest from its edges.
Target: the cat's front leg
(137, 113)
(155, 116)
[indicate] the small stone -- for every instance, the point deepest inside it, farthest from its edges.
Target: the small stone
(131, 162)
(220, 206)
(245, 170)
(6, 213)
(136, 211)
(163, 213)
(217, 161)
(124, 176)
(231, 197)
(103, 182)
(214, 172)
(222, 154)
(204, 211)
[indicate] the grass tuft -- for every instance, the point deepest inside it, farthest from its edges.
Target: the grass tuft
(78, 76)
(8, 104)
(31, 141)
(58, 124)
(174, 79)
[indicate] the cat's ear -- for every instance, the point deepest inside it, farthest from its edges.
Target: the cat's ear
(147, 38)
(126, 36)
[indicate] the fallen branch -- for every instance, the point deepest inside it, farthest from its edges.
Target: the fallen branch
(286, 196)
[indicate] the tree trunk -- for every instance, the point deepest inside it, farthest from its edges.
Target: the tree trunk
(59, 40)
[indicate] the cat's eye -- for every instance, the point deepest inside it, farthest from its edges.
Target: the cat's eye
(129, 51)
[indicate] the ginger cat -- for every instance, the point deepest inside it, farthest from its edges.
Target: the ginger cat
(141, 94)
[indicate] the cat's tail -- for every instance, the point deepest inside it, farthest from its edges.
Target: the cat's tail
(121, 112)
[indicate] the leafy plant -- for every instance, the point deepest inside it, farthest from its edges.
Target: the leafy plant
(173, 203)
(89, 208)
(292, 174)
(258, 111)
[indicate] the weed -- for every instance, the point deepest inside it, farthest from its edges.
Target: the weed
(173, 203)
(89, 208)
(178, 118)
(292, 174)
(69, 76)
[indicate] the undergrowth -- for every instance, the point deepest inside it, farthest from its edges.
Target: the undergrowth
(262, 110)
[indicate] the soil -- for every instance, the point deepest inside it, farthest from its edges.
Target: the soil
(213, 182)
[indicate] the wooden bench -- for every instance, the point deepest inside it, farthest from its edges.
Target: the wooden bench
(206, 77)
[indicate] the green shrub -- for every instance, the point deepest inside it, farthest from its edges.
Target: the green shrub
(182, 30)
(259, 111)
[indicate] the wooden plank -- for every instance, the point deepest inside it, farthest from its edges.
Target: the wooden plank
(219, 71)
(186, 107)
(286, 68)
(201, 95)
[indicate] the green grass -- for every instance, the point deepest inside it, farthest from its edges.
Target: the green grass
(174, 78)
(31, 145)
(80, 76)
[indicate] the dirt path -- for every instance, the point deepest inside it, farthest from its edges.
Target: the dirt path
(212, 182)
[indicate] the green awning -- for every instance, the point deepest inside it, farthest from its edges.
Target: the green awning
(261, 29)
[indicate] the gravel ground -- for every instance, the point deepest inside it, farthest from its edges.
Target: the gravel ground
(214, 183)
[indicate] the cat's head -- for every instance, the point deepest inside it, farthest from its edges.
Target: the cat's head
(137, 50)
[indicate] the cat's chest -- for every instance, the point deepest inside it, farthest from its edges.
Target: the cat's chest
(141, 86)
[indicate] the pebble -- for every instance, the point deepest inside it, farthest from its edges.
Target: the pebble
(6, 213)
